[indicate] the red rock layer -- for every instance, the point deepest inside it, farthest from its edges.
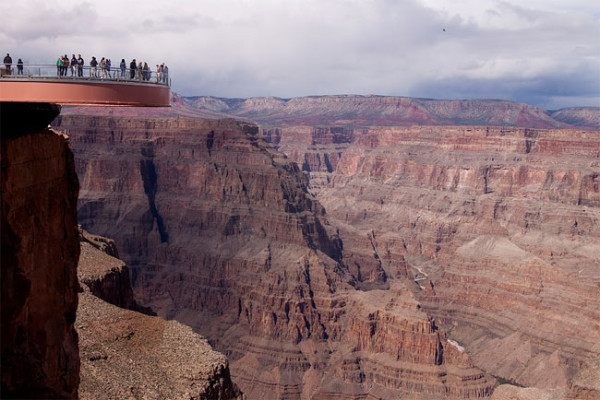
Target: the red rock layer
(40, 249)
(498, 227)
(222, 234)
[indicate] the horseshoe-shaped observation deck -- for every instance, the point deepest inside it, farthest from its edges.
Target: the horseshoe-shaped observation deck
(90, 86)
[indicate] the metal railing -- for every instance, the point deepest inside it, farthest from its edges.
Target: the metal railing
(85, 73)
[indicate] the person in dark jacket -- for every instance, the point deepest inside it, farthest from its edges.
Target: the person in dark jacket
(132, 68)
(79, 65)
(73, 65)
(7, 63)
(65, 65)
(94, 68)
(20, 67)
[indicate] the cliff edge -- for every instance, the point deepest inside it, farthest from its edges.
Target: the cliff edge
(127, 354)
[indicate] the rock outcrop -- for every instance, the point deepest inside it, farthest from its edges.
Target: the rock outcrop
(222, 234)
(104, 274)
(497, 227)
(40, 250)
(126, 354)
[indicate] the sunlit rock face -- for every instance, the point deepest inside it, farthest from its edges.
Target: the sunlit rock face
(221, 233)
(499, 228)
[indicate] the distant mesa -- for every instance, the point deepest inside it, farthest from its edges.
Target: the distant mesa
(354, 111)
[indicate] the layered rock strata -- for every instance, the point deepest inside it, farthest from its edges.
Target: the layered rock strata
(125, 354)
(497, 227)
(40, 250)
(222, 234)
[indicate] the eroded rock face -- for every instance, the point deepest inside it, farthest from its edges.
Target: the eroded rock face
(222, 234)
(104, 274)
(126, 354)
(40, 249)
(498, 228)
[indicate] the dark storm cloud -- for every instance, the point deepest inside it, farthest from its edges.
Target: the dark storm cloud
(551, 91)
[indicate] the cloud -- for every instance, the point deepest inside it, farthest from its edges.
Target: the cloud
(553, 90)
(33, 20)
(244, 48)
(175, 23)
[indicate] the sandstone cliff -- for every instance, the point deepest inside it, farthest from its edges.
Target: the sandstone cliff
(497, 227)
(40, 249)
(222, 234)
(125, 354)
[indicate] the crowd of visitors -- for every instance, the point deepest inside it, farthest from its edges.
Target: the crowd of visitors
(74, 67)
(64, 65)
(8, 65)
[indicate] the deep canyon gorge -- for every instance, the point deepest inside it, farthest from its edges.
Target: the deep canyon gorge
(347, 247)
(358, 262)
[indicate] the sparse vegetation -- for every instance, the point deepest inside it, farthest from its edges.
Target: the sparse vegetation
(507, 381)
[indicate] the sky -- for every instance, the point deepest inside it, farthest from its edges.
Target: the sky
(541, 52)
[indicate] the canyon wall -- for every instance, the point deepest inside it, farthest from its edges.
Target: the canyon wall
(222, 234)
(497, 227)
(40, 250)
